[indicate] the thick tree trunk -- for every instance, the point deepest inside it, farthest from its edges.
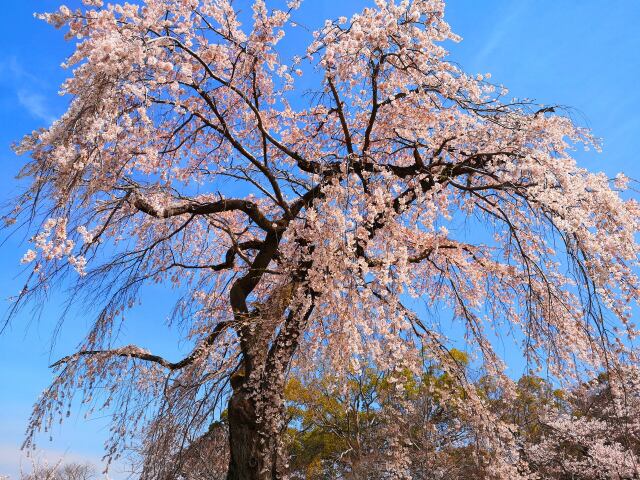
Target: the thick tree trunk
(253, 446)
(256, 408)
(244, 460)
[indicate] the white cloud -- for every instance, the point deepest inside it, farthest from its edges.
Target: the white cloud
(27, 89)
(36, 104)
(501, 29)
(19, 73)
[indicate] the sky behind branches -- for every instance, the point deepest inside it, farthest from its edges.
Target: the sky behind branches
(583, 54)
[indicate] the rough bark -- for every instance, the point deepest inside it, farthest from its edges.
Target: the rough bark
(244, 461)
(254, 446)
(256, 404)
(256, 408)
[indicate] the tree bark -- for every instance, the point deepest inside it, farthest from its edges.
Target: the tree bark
(252, 438)
(254, 452)
(244, 459)
(257, 408)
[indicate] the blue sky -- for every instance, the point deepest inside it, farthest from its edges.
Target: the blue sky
(582, 54)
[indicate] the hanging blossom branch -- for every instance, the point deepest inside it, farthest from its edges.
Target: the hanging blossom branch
(132, 351)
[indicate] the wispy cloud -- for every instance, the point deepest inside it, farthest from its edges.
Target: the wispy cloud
(18, 72)
(501, 29)
(26, 88)
(36, 104)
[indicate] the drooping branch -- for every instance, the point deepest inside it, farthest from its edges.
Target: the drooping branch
(130, 351)
(133, 351)
(229, 259)
(194, 207)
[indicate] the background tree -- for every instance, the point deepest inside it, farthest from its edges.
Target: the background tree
(60, 471)
(206, 458)
(596, 437)
(338, 429)
(188, 157)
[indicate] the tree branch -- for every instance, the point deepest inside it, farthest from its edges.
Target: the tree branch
(133, 351)
(196, 208)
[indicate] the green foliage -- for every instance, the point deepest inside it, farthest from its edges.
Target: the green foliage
(336, 427)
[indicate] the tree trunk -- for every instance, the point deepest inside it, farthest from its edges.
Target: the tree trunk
(256, 408)
(243, 437)
(254, 452)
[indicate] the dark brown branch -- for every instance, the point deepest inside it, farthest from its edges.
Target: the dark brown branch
(229, 259)
(374, 107)
(343, 120)
(132, 351)
(196, 208)
(243, 286)
(424, 254)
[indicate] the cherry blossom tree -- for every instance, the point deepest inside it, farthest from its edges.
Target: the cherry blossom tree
(597, 437)
(60, 471)
(335, 229)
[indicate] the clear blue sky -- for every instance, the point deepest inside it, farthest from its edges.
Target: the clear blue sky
(581, 53)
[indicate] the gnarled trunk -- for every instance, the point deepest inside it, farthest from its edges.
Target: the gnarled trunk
(253, 442)
(244, 460)
(256, 408)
